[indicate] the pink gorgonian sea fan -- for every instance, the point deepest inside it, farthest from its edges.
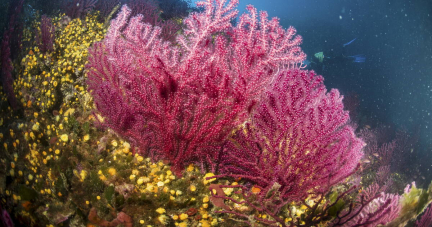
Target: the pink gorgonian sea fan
(179, 101)
(298, 138)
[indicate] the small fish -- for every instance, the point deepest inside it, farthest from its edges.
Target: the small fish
(375, 154)
(359, 58)
(348, 43)
(319, 56)
(365, 160)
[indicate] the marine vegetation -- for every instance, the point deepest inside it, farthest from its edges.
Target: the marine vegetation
(137, 122)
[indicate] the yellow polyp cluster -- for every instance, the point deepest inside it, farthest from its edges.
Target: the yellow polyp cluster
(74, 42)
(121, 147)
(160, 210)
(48, 77)
(163, 219)
(157, 179)
(34, 86)
(210, 180)
(112, 171)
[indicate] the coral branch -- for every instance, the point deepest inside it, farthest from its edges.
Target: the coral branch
(426, 219)
(180, 102)
(372, 209)
(6, 59)
(298, 137)
(45, 38)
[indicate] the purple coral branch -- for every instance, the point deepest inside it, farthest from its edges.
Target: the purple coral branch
(298, 137)
(426, 219)
(6, 61)
(372, 208)
(6, 72)
(186, 98)
(45, 38)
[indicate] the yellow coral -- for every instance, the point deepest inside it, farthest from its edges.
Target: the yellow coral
(71, 44)
(210, 180)
(183, 224)
(83, 175)
(64, 137)
(190, 168)
(192, 188)
(112, 171)
(183, 216)
(160, 210)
